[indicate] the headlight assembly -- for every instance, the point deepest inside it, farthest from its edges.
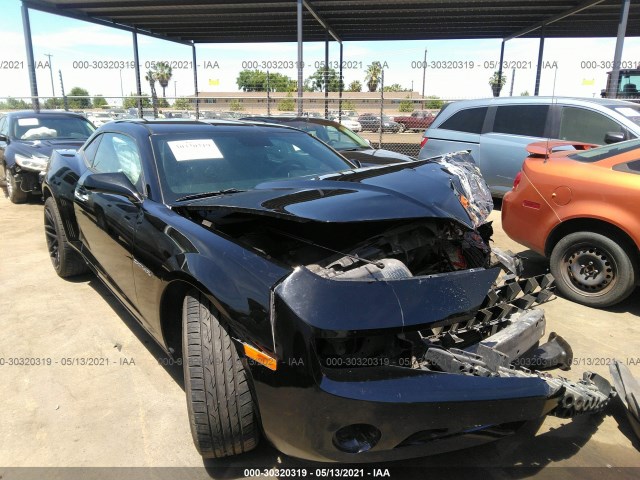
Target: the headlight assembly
(31, 163)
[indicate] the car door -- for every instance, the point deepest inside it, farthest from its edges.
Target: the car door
(503, 147)
(107, 222)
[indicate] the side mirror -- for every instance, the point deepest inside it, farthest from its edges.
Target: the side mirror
(114, 183)
(613, 137)
(4, 138)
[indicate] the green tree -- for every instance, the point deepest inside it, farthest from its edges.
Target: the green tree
(287, 104)
(79, 102)
(317, 81)
(433, 102)
(182, 103)
(525, 93)
(256, 81)
(99, 101)
(373, 76)
(348, 105)
(406, 106)
(355, 86)
(235, 105)
(14, 104)
(163, 73)
(132, 102)
(396, 87)
(53, 103)
(150, 77)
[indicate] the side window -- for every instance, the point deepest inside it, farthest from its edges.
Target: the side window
(630, 167)
(526, 120)
(3, 124)
(469, 120)
(119, 153)
(582, 125)
(90, 150)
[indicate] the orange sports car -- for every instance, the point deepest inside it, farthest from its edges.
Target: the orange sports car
(580, 206)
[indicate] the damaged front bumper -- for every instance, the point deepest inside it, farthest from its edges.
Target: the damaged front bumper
(382, 370)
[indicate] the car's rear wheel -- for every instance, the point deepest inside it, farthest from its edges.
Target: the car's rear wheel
(221, 408)
(66, 261)
(14, 192)
(593, 269)
(401, 128)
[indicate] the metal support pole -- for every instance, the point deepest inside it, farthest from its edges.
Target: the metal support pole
(136, 65)
(382, 107)
(340, 88)
(513, 79)
(53, 88)
(26, 26)
(326, 75)
(622, 30)
(536, 91)
(424, 75)
(500, 66)
(64, 97)
(268, 95)
(300, 64)
(195, 78)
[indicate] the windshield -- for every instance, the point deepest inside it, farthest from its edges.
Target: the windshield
(338, 136)
(48, 127)
(632, 112)
(192, 163)
(600, 153)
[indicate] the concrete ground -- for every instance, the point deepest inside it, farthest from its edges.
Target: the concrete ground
(128, 409)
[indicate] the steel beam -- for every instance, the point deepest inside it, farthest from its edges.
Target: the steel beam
(536, 90)
(321, 21)
(326, 77)
(195, 78)
(136, 66)
(33, 82)
(500, 66)
(617, 58)
(300, 59)
(340, 88)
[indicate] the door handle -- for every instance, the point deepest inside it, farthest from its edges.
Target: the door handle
(81, 194)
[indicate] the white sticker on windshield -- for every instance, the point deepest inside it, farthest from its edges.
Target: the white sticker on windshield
(195, 149)
(28, 122)
(628, 112)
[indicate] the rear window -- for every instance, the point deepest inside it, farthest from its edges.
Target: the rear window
(600, 153)
(631, 112)
(469, 120)
(526, 120)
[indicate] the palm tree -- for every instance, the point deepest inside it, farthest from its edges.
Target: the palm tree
(163, 74)
(374, 71)
(150, 77)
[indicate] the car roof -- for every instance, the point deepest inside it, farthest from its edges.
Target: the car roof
(43, 113)
(177, 125)
(537, 99)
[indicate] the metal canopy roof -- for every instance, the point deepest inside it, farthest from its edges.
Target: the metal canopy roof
(229, 21)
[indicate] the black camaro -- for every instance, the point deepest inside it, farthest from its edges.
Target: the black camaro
(347, 314)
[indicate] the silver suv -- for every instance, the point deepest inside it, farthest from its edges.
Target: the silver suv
(497, 130)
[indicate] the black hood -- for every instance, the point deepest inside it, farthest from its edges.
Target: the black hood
(409, 190)
(376, 156)
(43, 148)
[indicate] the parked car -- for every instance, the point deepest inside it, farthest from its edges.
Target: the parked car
(416, 121)
(497, 130)
(349, 122)
(372, 123)
(100, 118)
(579, 208)
(340, 138)
(322, 304)
(27, 139)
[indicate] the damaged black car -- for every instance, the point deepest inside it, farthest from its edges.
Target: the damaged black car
(345, 314)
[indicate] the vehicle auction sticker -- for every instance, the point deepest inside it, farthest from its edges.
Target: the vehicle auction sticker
(195, 149)
(28, 122)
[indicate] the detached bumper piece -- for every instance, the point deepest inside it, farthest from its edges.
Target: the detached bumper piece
(494, 357)
(629, 391)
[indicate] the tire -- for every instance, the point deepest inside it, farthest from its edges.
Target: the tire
(401, 128)
(66, 261)
(593, 269)
(222, 413)
(14, 192)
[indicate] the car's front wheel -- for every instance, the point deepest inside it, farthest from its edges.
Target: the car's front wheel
(401, 128)
(66, 261)
(593, 269)
(221, 408)
(14, 192)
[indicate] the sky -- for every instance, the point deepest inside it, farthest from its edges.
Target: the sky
(574, 67)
